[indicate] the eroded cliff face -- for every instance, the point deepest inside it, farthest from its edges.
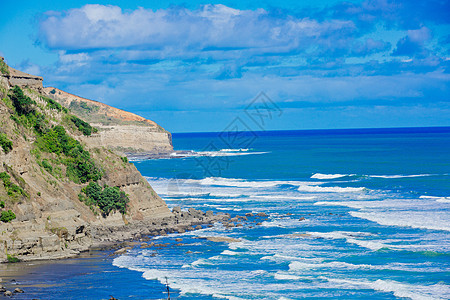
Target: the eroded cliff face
(51, 222)
(118, 129)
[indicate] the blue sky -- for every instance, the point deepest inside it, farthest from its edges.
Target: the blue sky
(196, 65)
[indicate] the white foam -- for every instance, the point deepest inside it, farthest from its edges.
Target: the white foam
(330, 189)
(350, 238)
(234, 150)
(437, 220)
(283, 276)
(438, 199)
(329, 176)
(401, 290)
(399, 176)
(236, 182)
(228, 252)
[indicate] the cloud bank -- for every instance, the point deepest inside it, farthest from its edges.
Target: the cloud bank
(215, 56)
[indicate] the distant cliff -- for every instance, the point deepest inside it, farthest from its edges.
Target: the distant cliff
(48, 161)
(118, 129)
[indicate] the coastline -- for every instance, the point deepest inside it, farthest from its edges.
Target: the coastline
(34, 274)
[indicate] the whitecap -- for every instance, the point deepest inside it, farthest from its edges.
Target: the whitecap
(401, 290)
(329, 176)
(330, 189)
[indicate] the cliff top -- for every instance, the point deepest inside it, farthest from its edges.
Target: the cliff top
(97, 112)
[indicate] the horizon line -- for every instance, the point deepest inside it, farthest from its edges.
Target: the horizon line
(327, 129)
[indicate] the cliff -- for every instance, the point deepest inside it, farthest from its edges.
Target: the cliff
(117, 129)
(46, 161)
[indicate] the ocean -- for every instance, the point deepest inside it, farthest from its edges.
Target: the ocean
(351, 214)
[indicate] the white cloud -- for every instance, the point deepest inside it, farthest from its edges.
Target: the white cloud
(180, 32)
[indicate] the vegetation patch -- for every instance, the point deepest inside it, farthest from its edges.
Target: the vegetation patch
(83, 126)
(4, 68)
(22, 103)
(108, 199)
(80, 166)
(46, 165)
(5, 143)
(52, 104)
(12, 189)
(7, 216)
(12, 259)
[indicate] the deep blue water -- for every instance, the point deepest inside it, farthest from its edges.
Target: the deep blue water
(375, 204)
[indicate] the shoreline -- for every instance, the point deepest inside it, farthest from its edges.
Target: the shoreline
(19, 275)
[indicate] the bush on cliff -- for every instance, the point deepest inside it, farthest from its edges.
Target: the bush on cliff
(83, 126)
(7, 216)
(12, 189)
(5, 143)
(80, 166)
(22, 103)
(107, 199)
(54, 105)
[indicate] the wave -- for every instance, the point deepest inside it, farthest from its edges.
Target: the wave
(350, 237)
(401, 290)
(228, 252)
(234, 150)
(222, 152)
(283, 276)
(438, 199)
(329, 176)
(400, 176)
(236, 182)
(330, 189)
(414, 219)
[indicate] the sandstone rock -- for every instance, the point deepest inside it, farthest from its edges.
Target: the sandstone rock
(261, 214)
(302, 219)
(259, 223)
(8, 294)
(121, 251)
(249, 215)
(176, 210)
(198, 227)
(189, 252)
(18, 290)
(178, 239)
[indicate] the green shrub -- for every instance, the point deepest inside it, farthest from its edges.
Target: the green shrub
(12, 189)
(107, 199)
(82, 126)
(2, 204)
(7, 216)
(54, 105)
(22, 103)
(12, 259)
(5, 143)
(46, 165)
(4, 68)
(80, 166)
(124, 159)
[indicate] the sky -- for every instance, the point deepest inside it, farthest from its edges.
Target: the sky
(196, 66)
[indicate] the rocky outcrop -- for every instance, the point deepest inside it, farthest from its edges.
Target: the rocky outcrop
(118, 129)
(22, 79)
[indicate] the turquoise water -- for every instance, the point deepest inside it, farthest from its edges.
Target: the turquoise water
(376, 224)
